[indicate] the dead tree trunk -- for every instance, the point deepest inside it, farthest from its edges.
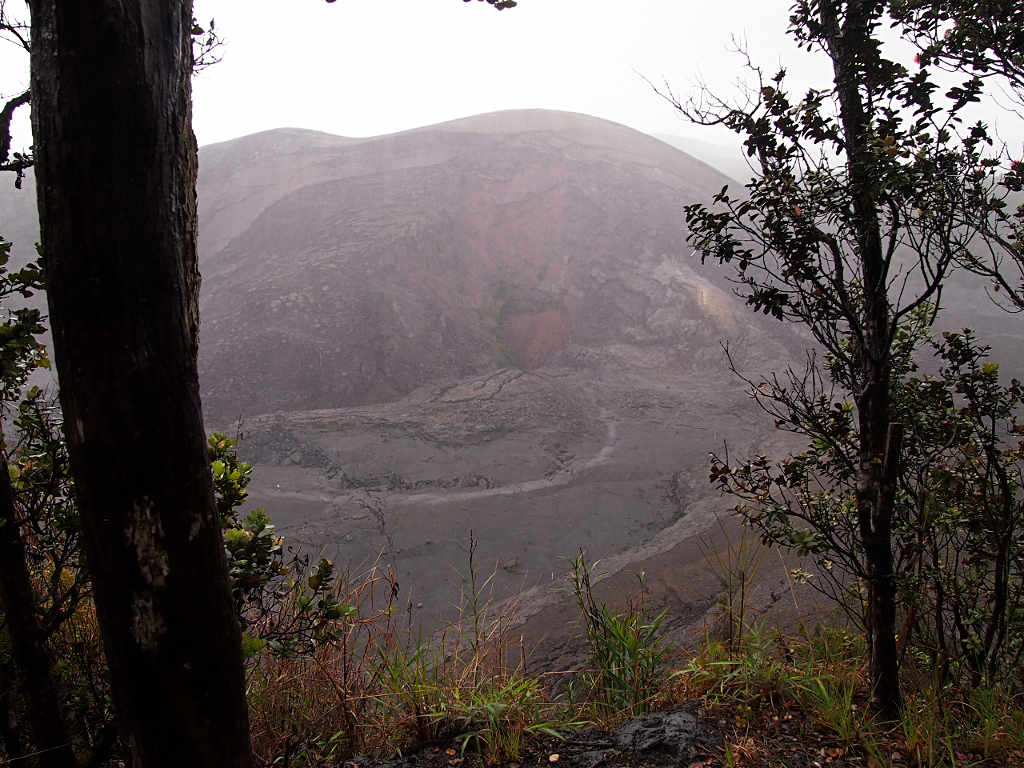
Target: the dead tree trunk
(116, 170)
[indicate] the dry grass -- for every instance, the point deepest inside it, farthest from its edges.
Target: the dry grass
(796, 700)
(378, 689)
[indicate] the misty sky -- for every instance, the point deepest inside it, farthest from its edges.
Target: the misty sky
(366, 67)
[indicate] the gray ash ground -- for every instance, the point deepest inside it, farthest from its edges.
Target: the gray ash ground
(538, 465)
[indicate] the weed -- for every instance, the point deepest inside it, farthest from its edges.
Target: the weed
(736, 567)
(411, 685)
(625, 649)
(748, 676)
(927, 731)
(495, 717)
(462, 684)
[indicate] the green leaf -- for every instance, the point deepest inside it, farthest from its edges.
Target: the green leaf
(251, 646)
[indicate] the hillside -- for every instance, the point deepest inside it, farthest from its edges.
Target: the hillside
(488, 325)
(341, 272)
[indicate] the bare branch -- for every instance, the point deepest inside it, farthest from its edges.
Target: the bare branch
(19, 163)
(14, 30)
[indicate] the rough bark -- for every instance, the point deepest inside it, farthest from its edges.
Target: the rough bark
(849, 39)
(11, 740)
(50, 734)
(116, 170)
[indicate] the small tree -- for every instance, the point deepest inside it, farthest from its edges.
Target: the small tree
(850, 228)
(957, 526)
(963, 492)
(283, 604)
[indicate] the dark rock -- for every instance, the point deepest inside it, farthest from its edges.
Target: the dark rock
(670, 733)
(591, 759)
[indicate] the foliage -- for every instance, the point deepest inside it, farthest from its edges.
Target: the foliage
(979, 37)
(40, 474)
(819, 677)
(21, 352)
(282, 603)
(868, 194)
(958, 525)
(44, 503)
(45, 529)
(982, 39)
(625, 650)
(964, 491)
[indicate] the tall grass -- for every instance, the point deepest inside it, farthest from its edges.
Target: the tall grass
(625, 648)
(377, 688)
(736, 568)
(312, 708)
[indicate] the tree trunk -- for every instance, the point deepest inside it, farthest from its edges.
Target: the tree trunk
(50, 734)
(11, 735)
(116, 171)
(850, 45)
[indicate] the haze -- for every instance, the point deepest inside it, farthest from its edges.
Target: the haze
(369, 67)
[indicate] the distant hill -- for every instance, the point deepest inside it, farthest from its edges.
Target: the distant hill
(344, 271)
(341, 271)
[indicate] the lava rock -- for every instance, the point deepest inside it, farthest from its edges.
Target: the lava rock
(671, 733)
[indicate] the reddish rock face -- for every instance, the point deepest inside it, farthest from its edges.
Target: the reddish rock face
(530, 341)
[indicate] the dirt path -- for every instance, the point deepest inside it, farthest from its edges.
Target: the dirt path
(563, 476)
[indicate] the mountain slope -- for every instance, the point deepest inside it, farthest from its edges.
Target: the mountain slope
(340, 272)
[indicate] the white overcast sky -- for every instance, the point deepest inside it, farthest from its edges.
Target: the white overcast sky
(367, 67)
